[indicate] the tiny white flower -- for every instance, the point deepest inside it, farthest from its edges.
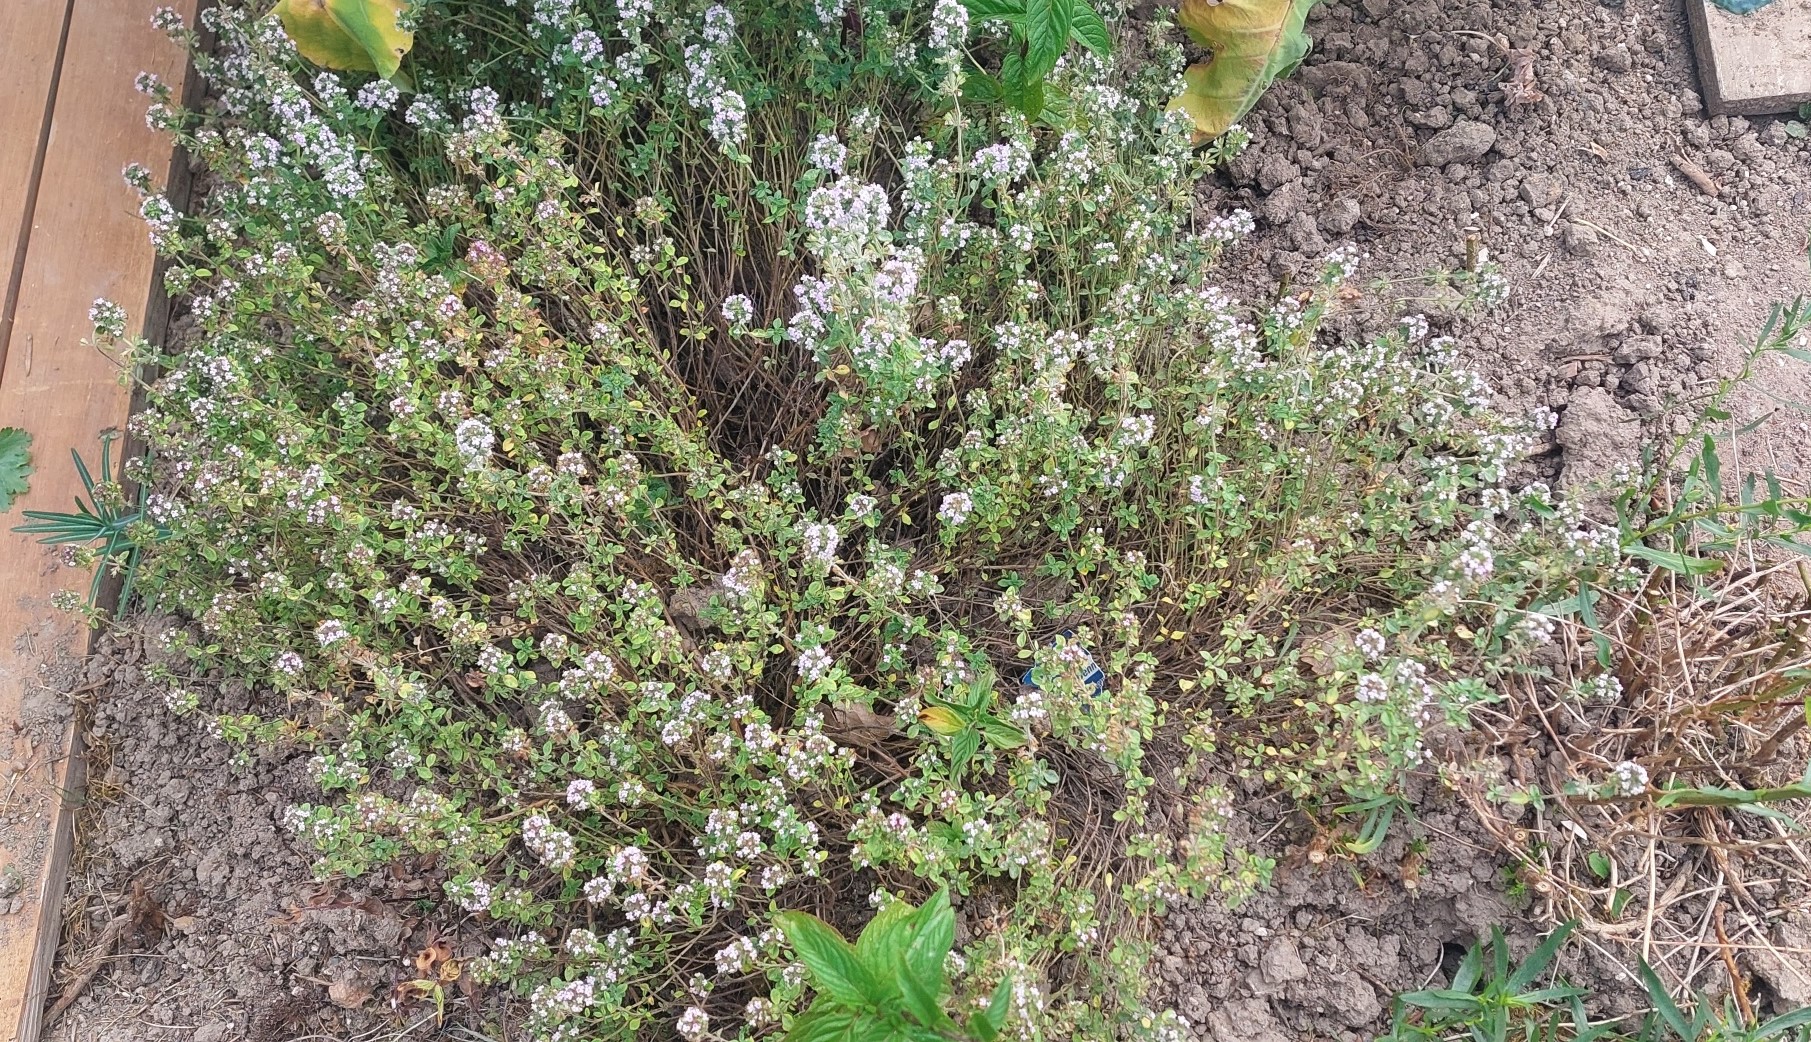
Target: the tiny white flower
(956, 508)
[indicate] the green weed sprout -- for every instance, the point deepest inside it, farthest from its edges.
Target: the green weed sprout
(889, 984)
(101, 518)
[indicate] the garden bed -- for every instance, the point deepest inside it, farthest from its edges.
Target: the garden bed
(1629, 290)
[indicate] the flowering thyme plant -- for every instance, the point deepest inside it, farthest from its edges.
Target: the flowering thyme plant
(633, 452)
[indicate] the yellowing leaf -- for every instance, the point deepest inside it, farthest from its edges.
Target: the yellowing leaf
(940, 719)
(1254, 42)
(354, 35)
(319, 38)
(373, 24)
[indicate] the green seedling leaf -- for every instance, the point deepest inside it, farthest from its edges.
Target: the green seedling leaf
(1047, 24)
(1664, 1006)
(988, 1023)
(1001, 735)
(982, 89)
(934, 932)
(1599, 864)
(963, 748)
(1618, 901)
(994, 10)
(932, 929)
(1673, 562)
(835, 969)
(1713, 470)
(882, 943)
(924, 1003)
(1470, 968)
(1089, 30)
(15, 465)
(1440, 998)
(1374, 830)
(1499, 954)
(1538, 960)
(1587, 613)
(1254, 42)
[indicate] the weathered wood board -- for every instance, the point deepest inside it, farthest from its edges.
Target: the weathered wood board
(69, 234)
(31, 35)
(1753, 64)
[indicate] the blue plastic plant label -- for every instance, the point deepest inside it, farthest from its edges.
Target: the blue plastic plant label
(1092, 675)
(1742, 6)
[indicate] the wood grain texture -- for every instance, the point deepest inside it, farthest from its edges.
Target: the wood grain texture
(31, 35)
(86, 241)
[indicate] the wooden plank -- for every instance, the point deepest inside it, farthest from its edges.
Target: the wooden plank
(86, 241)
(31, 42)
(1753, 64)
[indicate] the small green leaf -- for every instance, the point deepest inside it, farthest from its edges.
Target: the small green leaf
(924, 1002)
(987, 1023)
(882, 943)
(980, 88)
(1090, 30)
(1619, 900)
(1673, 562)
(1471, 967)
(1587, 613)
(835, 969)
(933, 934)
(1440, 998)
(963, 748)
(1537, 960)
(1599, 864)
(1002, 735)
(994, 10)
(1713, 470)
(1047, 24)
(824, 1023)
(15, 465)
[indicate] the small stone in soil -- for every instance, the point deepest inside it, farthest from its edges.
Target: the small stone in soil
(1340, 216)
(1581, 239)
(1464, 141)
(1542, 190)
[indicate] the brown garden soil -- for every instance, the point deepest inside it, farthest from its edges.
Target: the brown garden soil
(1633, 290)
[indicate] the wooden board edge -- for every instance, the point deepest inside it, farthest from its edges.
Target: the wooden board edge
(71, 787)
(1773, 105)
(1710, 84)
(69, 781)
